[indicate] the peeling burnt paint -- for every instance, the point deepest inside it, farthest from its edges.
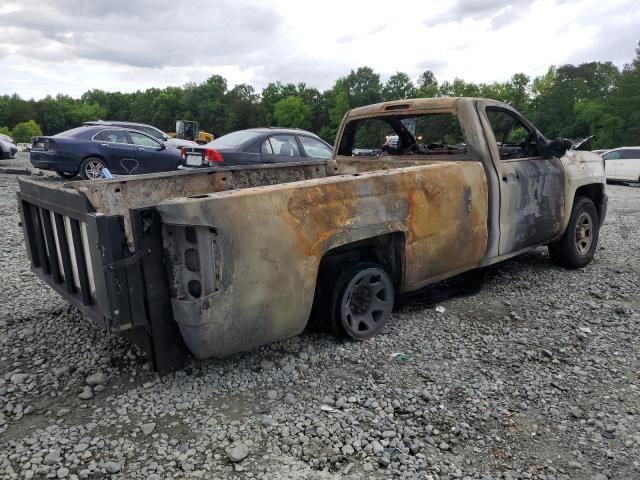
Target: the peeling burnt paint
(273, 238)
(118, 196)
(532, 204)
(581, 169)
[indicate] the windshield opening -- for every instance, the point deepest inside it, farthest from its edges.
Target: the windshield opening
(428, 134)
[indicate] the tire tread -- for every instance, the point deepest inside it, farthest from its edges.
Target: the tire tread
(563, 251)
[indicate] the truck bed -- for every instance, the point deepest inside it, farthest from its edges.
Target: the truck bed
(244, 263)
(236, 239)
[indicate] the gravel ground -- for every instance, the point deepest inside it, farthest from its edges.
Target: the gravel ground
(534, 376)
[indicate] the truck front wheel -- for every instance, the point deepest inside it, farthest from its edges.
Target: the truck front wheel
(362, 301)
(576, 247)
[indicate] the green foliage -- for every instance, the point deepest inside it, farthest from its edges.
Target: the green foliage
(292, 112)
(572, 101)
(241, 107)
(427, 79)
(625, 102)
(517, 135)
(371, 133)
(339, 97)
(5, 131)
(23, 131)
(576, 101)
(363, 87)
(398, 87)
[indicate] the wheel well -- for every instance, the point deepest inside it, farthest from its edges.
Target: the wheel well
(93, 156)
(595, 192)
(387, 250)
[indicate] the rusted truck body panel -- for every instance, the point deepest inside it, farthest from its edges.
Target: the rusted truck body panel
(265, 245)
(230, 257)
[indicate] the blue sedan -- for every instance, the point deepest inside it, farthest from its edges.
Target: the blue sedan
(87, 150)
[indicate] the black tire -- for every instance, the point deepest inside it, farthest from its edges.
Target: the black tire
(575, 249)
(89, 168)
(66, 174)
(362, 301)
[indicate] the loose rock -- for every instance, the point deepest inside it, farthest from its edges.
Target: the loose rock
(237, 452)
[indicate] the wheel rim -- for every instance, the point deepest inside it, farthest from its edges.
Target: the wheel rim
(93, 170)
(584, 233)
(367, 302)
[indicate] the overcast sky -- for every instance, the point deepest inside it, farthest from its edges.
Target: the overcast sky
(70, 46)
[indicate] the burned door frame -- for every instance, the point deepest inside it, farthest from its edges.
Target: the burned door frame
(531, 190)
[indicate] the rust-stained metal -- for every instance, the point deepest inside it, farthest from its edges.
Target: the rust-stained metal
(242, 246)
(118, 196)
(271, 240)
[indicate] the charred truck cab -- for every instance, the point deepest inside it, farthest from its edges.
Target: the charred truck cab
(218, 261)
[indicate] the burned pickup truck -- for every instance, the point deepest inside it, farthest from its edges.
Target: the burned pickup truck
(227, 259)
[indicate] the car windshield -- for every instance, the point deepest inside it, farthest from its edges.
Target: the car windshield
(234, 139)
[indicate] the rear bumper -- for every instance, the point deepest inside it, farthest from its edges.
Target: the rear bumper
(43, 165)
(53, 161)
(43, 160)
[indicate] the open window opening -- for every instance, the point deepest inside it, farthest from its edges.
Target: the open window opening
(428, 134)
(513, 137)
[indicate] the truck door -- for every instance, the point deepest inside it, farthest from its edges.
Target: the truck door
(531, 187)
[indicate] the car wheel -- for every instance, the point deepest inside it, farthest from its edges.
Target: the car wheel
(66, 174)
(91, 168)
(576, 247)
(362, 301)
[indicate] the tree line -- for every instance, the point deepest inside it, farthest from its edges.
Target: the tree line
(572, 101)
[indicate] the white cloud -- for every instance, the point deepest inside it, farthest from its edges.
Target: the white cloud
(70, 46)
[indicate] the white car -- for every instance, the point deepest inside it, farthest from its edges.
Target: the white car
(623, 164)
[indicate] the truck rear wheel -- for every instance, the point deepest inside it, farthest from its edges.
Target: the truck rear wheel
(576, 247)
(362, 301)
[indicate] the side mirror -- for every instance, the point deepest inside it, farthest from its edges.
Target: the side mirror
(162, 146)
(165, 137)
(555, 148)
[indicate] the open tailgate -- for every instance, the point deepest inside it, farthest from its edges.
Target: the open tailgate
(83, 255)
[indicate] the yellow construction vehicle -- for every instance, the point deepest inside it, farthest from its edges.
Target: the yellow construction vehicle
(190, 130)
